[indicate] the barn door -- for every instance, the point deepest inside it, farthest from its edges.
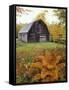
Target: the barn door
(42, 38)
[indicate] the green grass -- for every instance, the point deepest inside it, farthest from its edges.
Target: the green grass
(38, 45)
(27, 51)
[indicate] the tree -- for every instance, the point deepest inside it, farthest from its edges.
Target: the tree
(61, 14)
(57, 32)
(41, 15)
(20, 11)
(18, 27)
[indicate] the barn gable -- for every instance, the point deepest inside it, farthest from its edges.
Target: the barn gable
(34, 32)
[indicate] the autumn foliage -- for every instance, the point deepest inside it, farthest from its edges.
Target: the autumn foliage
(47, 66)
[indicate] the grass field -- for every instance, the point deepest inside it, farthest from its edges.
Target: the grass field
(27, 51)
(38, 45)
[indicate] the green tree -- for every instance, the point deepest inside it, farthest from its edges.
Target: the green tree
(18, 27)
(61, 14)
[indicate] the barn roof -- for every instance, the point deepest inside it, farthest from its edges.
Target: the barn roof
(26, 28)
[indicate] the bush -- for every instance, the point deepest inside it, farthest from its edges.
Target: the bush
(47, 66)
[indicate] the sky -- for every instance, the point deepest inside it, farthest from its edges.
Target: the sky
(28, 17)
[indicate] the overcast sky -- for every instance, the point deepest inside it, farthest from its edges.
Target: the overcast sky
(27, 17)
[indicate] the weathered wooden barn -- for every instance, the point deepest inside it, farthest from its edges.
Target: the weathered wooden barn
(36, 31)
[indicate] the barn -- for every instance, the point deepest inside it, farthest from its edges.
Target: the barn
(36, 31)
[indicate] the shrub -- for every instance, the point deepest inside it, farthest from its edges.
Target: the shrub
(47, 66)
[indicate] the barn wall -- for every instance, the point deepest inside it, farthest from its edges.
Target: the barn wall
(40, 32)
(23, 37)
(19, 36)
